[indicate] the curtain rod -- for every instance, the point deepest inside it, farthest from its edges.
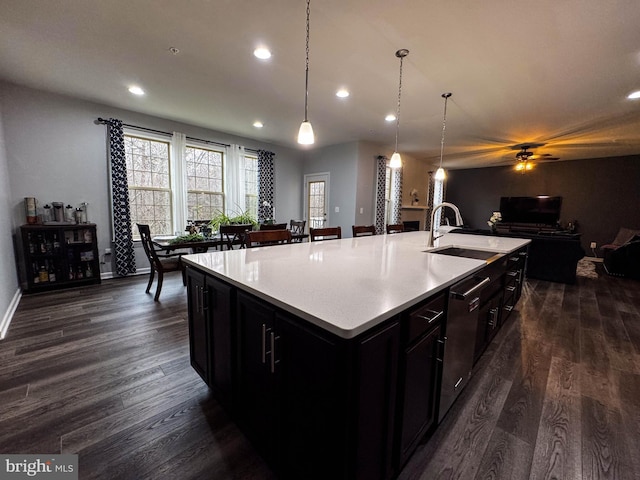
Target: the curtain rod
(160, 132)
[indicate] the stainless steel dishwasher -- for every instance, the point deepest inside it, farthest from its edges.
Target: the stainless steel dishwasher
(460, 338)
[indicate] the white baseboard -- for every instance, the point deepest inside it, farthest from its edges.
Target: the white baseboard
(109, 275)
(8, 315)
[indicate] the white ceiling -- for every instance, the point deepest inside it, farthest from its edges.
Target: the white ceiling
(545, 71)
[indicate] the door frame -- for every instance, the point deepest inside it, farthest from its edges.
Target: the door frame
(314, 177)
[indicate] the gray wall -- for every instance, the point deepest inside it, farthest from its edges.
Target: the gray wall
(56, 152)
(9, 288)
(601, 194)
(341, 163)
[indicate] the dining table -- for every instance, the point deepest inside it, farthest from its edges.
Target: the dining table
(196, 246)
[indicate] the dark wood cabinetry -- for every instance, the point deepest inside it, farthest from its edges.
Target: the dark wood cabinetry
(420, 374)
(59, 256)
(210, 332)
(514, 277)
(317, 405)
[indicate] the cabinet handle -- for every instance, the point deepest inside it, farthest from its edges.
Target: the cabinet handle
(511, 289)
(264, 343)
(273, 351)
(522, 254)
(477, 286)
(513, 273)
(440, 358)
(508, 308)
(458, 382)
(205, 304)
(431, 319)
(513, 259)
(494, 316)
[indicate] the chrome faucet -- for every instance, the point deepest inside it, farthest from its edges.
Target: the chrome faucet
(459, 222)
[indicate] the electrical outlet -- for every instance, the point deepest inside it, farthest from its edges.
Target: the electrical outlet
(107, 251)
(593, 244)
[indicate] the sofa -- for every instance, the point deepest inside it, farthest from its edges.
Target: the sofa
(622, 256)
(553, 256)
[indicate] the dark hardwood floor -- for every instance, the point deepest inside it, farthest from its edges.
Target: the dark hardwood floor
(104, 372)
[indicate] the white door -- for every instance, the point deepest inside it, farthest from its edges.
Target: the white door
(316, 200)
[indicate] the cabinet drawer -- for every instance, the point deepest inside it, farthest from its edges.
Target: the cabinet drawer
(425, 317)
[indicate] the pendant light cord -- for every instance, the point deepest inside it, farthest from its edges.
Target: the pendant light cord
(306, 82)
(444, 125)
(400, 54)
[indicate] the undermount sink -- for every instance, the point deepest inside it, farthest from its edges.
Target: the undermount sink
(469, 253)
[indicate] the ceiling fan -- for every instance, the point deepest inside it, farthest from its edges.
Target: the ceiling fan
(524, 156)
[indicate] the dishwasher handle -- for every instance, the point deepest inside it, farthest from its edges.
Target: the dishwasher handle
(477, 286)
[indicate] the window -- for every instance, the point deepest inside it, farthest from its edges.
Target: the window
(251, 184)
(171, 182)
(205, 193)
(149, 180)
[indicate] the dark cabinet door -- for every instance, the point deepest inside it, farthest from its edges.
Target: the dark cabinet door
(312, 395)
(488, 323)
(218, 300)
(256, 382)
(376, 380)
(421, 367)
(198, 325)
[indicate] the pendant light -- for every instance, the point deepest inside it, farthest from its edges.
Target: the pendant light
(396, 161)
(440, 173)
(305, 134)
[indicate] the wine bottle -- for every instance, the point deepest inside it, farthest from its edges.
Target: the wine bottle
(44, 274)
(56, 244)
(52, 272)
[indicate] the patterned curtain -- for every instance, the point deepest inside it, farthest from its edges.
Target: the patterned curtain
(430, 191)
(381, 188)
(266, 186)
(396, 195)
(123, 244)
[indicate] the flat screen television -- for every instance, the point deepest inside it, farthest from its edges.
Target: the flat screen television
(541, 210)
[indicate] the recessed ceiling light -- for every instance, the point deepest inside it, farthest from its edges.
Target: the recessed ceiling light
(136, 90)
(262, 53)
(634, 95)
(342, 93)
(258, 124)
(390, 118)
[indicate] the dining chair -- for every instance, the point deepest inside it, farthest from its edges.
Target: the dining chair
(327, 233)
(297, 230)
(273, 226)
(363, 230)
(267, 237)
(159, 262)
(395, 228)
(231, 235)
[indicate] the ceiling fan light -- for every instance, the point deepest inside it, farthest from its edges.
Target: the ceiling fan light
(440, 174)
(305, 134)
(396, 161)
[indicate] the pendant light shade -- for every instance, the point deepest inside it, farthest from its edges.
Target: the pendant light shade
(305, 134)
(396, 161)
(440, 173)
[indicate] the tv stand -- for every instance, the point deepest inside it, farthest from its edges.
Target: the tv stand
(530, 228)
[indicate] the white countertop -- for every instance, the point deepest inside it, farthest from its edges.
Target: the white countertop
(348, 286)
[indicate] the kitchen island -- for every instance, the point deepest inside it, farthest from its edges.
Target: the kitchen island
(329, 354)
